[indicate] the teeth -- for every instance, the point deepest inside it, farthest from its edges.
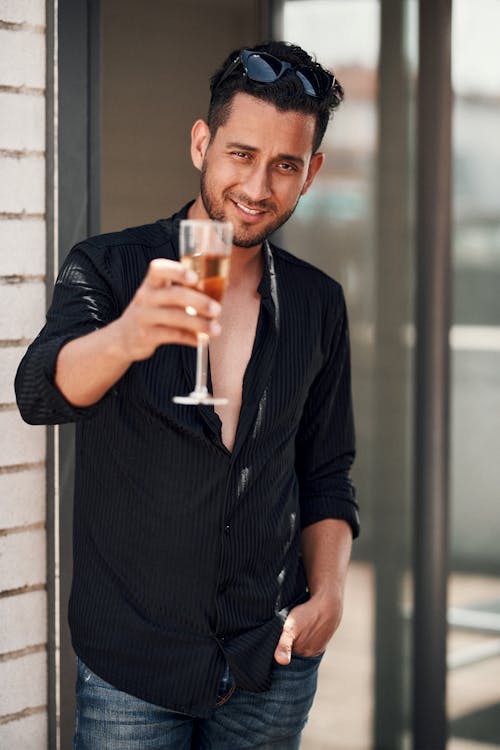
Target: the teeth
(252, 211)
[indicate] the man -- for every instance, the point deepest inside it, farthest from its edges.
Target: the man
(210, 546)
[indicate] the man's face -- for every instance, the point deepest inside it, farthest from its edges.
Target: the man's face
(256, 168)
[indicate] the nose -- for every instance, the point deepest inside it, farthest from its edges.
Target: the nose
(256, 184)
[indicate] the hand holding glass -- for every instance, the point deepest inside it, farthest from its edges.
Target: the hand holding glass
(205, 247)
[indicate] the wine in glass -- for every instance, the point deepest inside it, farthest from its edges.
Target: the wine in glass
(205, 247)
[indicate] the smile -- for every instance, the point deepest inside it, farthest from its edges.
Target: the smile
(249, 211)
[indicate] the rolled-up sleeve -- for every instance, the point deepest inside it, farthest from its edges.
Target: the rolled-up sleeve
(83, 301)
(325, 445)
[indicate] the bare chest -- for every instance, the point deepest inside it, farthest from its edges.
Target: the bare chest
(230, 354)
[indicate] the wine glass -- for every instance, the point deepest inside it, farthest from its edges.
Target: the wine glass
(205, 247)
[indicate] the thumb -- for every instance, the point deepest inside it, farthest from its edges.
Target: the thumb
(283, 652)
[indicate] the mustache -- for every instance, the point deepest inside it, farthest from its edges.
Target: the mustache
(257, 205)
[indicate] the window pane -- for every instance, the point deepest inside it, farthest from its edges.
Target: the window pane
(355, 223)
(474, 637)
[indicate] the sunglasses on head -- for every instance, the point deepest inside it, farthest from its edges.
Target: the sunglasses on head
(262, 67)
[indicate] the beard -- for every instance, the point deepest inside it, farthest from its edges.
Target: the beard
(244, 235)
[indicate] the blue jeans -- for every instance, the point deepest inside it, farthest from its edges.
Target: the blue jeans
(108, 719)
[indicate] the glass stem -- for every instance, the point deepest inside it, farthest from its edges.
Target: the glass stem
(201, 365)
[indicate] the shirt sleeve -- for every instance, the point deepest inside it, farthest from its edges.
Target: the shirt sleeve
(325, 446)
(82, 302)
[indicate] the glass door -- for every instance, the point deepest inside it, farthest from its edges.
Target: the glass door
(356, 224)
(474, 592)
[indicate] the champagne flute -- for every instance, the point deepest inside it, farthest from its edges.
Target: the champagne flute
(205, 247)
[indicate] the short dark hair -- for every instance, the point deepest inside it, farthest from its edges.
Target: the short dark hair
(287, 93)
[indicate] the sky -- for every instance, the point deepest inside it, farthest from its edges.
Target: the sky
(343, 32)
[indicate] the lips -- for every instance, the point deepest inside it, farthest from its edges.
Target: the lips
(248, 210)
(249, 214)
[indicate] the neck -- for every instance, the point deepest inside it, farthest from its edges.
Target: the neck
(246, 263)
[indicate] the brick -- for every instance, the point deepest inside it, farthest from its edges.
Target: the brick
(23, 122)
(24, 621)
(28, 733)
(22, 309)
(23, 684)
(22, 184)
(23, 496)
(22, 247)
(22, 58)
(9, 360)
(23, 11)
(20, 443)
(22, 560)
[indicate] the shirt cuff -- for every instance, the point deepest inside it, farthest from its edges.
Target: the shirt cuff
(314, 509)
(39, 399)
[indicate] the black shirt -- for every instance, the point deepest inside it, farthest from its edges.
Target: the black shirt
(187, 555)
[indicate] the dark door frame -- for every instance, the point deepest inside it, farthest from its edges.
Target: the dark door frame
(432, 375)
(73, 202)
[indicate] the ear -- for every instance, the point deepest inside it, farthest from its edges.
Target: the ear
(315, 165)
(200, 138)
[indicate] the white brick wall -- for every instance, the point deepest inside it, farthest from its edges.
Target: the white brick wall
(22, 309)
(9, 360)
(22, 247)
(22, 559)
(20, 443)
(23, 498)
(22, 184)
(21, 117)
(22, 58)
(23, 540)
(17, 692)
(23, 619)
(28, 733)
(23, 11)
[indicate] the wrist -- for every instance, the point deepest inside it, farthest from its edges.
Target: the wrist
(327, 594)
(117, 343)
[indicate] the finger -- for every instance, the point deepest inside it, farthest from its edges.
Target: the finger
(182, 296)
(176, 317)
(283, 652)
(162, 271)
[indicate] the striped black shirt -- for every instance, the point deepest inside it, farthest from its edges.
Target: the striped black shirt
(185, 554)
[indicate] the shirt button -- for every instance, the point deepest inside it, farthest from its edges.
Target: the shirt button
(227, 528)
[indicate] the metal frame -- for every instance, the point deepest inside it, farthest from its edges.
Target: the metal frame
(51, 223)
(76, 208)
(432, 369)
(391, 522)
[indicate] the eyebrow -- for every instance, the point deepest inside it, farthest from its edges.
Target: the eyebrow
(281, 157)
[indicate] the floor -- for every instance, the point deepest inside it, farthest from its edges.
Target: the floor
(341, 718)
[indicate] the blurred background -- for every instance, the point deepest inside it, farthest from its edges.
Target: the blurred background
(124, 83)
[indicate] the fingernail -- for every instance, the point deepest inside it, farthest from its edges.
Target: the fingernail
(214, 308)
(215, 328)
(191, 277)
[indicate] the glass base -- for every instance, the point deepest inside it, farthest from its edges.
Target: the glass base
(199, 399)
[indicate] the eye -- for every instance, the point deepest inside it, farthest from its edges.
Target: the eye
(240, 154)
(286, 166)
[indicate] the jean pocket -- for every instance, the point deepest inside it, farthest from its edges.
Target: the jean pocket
(307, 660)
(88, 677)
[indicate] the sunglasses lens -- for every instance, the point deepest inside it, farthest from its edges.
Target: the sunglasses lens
(263, 68)
(315, 82)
